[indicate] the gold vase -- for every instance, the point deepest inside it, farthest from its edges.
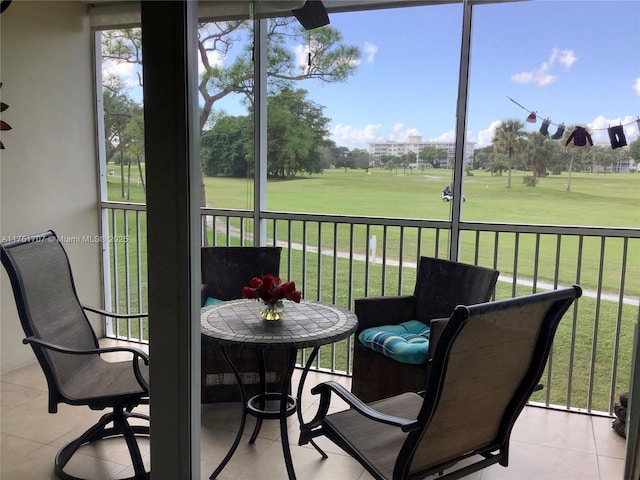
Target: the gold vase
(273, 311)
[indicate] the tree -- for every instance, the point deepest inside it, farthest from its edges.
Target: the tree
(134, 134)
(407, 159)
(481, 157)
(428, 155)
(119, 109)
(329, 60)
(441, 154)
(388, 161)
(326, 154)
(296, 129)
(600, 156)
(432, 155)
(498, 163)
(634, 150)
(224, 147)
(558, 160)
(577, 154)
(341, 157)
(360, 158)
(536, 154)
(509, 139)
(296, 132)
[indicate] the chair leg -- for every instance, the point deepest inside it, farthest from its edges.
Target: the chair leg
(121, 427)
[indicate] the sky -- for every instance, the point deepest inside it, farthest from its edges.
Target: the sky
(573, 62)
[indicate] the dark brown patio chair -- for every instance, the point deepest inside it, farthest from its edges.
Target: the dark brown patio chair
(441, 285)
(483, 368)
(58, 330)
(225, 271)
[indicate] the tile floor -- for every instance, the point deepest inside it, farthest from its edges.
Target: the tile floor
(545, 444)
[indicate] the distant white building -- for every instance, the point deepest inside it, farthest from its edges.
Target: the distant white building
(625, 165)
(414, 145)
(628, 165)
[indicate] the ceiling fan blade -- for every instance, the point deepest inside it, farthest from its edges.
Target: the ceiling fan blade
(4, 125)
(3, 106)
(4, 4)
(312, 15)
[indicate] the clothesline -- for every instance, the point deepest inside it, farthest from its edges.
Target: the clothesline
(558, 124)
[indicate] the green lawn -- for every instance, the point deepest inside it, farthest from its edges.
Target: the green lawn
(594, 199)
(611, 200)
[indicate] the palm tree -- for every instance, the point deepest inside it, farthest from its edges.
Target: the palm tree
(509, 138)
(538, 151)
(576, 153)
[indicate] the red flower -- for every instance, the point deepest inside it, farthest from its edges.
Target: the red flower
(271, 289)
(288, 288)
(269, 282)
(295, 296)
(248, 292)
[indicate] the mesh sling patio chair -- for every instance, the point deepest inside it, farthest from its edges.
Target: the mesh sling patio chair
(58, 330)
(225, 271)
(482, 370)
(440, 286)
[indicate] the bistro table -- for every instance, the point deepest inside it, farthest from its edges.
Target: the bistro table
(306, 324)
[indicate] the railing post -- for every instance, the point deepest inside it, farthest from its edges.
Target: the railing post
(260, 130)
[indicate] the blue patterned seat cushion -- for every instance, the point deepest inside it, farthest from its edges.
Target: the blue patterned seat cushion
(407, 342)
(211, 301)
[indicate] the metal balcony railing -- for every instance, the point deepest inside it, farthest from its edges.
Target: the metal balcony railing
(334, 258)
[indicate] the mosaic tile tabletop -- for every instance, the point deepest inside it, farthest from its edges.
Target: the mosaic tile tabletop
(304, 324)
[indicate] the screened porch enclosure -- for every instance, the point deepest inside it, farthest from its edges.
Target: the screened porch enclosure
(330, 259)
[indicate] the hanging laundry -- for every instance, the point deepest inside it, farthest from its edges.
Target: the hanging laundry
(580, 137)
(544, 128)
(616, 135)
(559, 132)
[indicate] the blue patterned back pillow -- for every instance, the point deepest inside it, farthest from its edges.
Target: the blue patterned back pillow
(407, 342)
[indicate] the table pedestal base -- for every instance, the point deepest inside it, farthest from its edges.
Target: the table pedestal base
(257, 407)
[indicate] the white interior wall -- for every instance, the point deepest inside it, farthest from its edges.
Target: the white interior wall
(48, 171)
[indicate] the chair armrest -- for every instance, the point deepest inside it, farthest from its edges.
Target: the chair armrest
(99, 311)
(437, 327)
(326, 388)
(387, 310)
(203, 294)
(137, 353)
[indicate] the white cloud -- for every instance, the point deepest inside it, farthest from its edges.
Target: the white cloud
(302, 54)
(215, 60)
(401, 133)
(370, 51)
(485, 137)
(636, 86)
(353, 137)
(565, 57)
(539, 77)
(598, 128)
(542, 75)
(449, 136)
(124, 71)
